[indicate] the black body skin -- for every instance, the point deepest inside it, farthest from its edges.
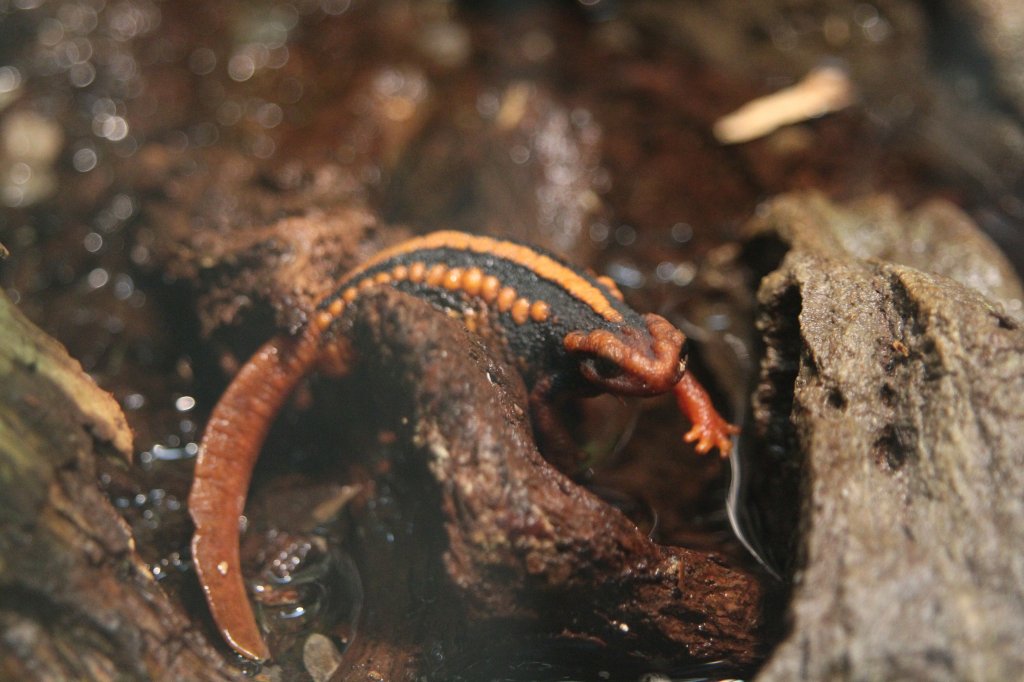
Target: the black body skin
(537, 348)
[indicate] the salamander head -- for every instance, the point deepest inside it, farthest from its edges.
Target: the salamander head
(630, 360)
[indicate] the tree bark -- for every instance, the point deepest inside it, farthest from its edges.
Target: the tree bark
(519, 548)
(890, 403)
(76, 601)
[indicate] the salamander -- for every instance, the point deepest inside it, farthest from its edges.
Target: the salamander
(569, 332)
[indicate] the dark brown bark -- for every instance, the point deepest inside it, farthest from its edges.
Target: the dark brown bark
(522, 544)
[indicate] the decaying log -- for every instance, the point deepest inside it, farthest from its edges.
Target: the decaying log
(524, 548)
(901, 391)
(76, 602)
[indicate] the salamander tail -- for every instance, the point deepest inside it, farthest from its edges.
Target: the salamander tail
(231, 443)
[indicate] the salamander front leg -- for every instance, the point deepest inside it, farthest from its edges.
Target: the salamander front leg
(710, 430)
(555, 440)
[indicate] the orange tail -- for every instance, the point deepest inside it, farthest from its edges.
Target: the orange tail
(227, 455)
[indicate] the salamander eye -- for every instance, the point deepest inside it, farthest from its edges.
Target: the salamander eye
(601, 367)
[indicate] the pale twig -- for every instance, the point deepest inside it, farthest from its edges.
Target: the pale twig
(823, 90)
